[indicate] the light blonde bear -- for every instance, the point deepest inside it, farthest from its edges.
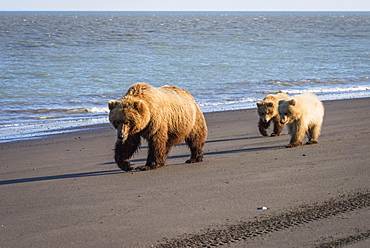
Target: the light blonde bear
(303, 114)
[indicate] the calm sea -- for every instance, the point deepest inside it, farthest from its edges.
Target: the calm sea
(58, 70)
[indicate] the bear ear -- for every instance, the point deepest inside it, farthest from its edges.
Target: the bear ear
(292, 102)
(139, 106)
(270, 104)
(112, 104)
(259, 104)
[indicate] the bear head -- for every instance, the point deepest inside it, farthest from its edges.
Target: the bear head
(266, 110)
(287, 111)
(129, 116)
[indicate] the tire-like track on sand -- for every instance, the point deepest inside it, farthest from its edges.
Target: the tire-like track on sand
(274, 223)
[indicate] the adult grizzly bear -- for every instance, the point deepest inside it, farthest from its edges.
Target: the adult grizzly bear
(163, 116)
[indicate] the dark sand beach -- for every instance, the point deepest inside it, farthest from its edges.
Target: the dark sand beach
(66, 190)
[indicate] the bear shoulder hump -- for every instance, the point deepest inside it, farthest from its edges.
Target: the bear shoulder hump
(139, 89)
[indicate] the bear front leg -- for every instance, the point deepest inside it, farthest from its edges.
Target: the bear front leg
(119, 156)
(297, 133)
(157, 155)
(124, 151)
(278, 127)
(262, 127)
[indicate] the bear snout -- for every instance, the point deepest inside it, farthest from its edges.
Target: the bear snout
(122, 132)
(121, 137)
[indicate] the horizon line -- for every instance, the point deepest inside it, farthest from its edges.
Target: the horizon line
(184, 10)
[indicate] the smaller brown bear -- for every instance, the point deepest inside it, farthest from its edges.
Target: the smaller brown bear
(303, 114)
(164, 116)
(268, 112)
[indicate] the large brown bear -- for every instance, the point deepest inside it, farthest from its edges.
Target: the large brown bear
(268, 112)
(303, 114)
(163, 116)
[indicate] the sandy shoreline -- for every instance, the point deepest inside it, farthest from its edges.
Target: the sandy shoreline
(67, 190)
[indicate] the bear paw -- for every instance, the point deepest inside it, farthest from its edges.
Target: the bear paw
(264, 132)
(143, 168)
(194, 160)
(149, 166)
(125, 165)
(275, 134)
(295, 144)
(311, 142)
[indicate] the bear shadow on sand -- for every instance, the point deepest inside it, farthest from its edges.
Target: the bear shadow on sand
(252, 149)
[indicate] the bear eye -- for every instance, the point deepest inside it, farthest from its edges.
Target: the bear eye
(128, 123)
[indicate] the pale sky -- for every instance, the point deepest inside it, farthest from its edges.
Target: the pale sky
(186, 5)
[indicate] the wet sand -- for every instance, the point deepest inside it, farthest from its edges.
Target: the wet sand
(66, 191)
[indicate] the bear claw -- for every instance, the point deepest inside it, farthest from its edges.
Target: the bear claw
(125, 165)
(293, 145)
(194, 160)
(311, 142)
(130, 168)
(142, 168)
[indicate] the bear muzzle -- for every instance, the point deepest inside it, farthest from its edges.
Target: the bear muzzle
(283, 120)
(122, 138)
(266, 119)
(122, 133)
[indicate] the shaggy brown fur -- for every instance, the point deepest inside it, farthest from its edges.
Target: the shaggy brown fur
(163, 116)
(268, 112)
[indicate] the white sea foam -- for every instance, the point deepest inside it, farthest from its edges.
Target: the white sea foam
(320, 90)
(329, 90)
(226, 102)
(97, 110)
(34, 130)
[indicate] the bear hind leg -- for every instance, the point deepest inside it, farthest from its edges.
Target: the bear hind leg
(196, 149)
(313, 135)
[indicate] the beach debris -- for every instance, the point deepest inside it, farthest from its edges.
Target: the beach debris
(262, 208)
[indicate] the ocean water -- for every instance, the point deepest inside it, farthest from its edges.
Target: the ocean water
(58, 70)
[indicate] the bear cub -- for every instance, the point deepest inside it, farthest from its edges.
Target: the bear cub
(164, 116)
(268, 112)
(303, 114)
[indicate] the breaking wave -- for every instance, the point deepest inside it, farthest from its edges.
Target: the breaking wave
(321, 90)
